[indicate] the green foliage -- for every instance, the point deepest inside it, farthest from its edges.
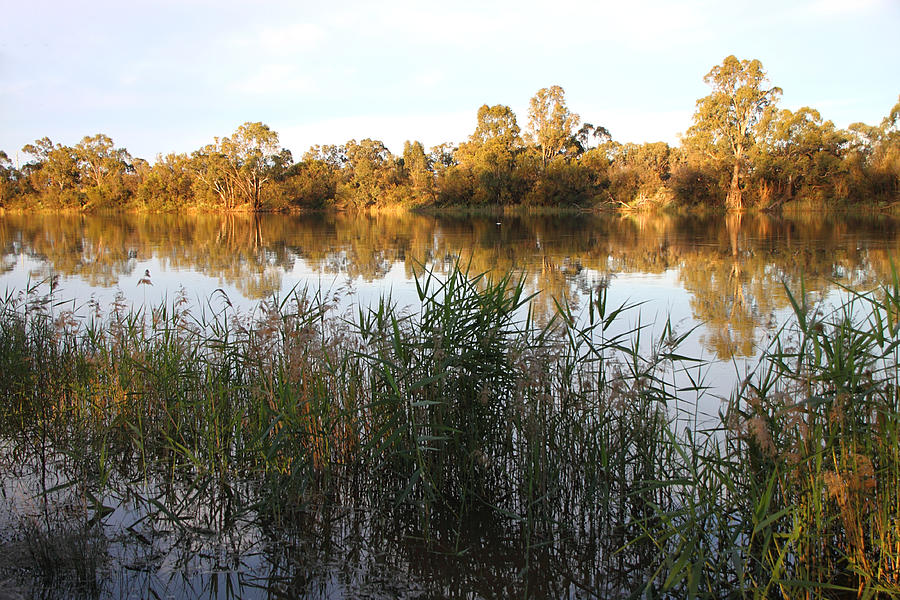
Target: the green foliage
(233, 171)
(490, 157)
(740, 147)
(8, 179)
(800, 156)
(168, 185)
(418, 171)
(570, 438)
(370, 175)
(726, 121)
(552, 124)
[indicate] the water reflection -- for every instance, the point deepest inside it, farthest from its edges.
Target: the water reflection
(732, 268)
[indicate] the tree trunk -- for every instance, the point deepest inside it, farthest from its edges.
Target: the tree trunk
(733, 200)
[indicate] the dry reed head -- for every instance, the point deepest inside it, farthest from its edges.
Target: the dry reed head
(757, 430)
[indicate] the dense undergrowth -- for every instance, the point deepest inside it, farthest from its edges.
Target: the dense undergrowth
(527, 460)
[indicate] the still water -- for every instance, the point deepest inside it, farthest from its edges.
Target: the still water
(725, 277)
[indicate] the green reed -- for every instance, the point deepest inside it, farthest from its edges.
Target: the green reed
(569, 446)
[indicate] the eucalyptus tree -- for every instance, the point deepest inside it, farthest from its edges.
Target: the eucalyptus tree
(99, 161)
(551, 123)
(587, 131)
(369, 172)
(54, 165)
(252, 153)
(490, 155)
(726, 121)
(8, 175)
(886, 158)
(442, 157)
(168, 183)
(212, 178)
(236, 168)
(417, 166)
(800, 151)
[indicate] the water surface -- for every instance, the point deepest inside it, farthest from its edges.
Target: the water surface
(725, 275)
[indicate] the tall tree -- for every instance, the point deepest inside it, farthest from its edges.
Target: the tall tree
(99, 160)
(552, 124)
(586, 132)
(369, 173)
(490, 155)
(801, 150)
(212, 175)
(252, 152)
(418, 168)
(54, 168)
(238, 167)
(725, 121)
(496, 124)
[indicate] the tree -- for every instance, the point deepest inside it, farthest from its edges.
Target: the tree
(168, 183)
(8, 175)
(886, 158)
(99, 160)
(55, 166)
(496, 124)
(53, 174)
(725, 121)
(211, 172)
(238, 167)
(552, 125)
(418, 168)
(800, 150)
(586, 132)
(369, 173)
(490, 155)
(252, 153)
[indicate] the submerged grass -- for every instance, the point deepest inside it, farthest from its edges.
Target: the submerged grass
(541, 460)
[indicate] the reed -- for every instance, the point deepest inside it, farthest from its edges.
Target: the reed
(555, 458)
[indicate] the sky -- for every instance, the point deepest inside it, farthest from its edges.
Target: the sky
(170, 76)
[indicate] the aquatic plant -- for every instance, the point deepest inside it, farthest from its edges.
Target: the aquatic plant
(551, 460)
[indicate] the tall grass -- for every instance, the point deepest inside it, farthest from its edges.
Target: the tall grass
(551, 460)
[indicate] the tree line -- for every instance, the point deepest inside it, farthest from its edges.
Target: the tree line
(741, 150)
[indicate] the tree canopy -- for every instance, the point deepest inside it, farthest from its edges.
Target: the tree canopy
(741, 150)
(726, 120)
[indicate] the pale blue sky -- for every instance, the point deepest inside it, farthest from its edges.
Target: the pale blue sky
(169, 76)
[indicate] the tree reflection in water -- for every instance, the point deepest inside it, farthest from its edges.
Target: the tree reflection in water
(733, 267)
